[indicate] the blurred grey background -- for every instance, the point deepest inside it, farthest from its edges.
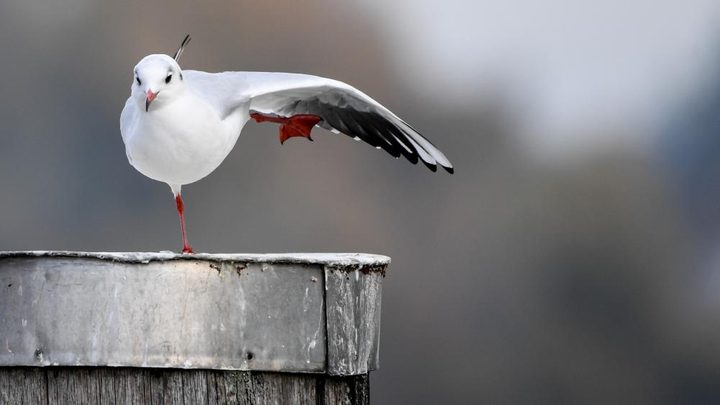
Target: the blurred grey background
(574, 257)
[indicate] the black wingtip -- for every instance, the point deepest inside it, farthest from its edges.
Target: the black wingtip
(180, 50)
(450, 170)
(430, 166)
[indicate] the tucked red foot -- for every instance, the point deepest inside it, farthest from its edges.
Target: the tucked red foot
(297, 125)
(181, 210)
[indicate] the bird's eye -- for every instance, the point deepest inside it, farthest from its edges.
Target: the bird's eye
(137, 79)
(168, 78)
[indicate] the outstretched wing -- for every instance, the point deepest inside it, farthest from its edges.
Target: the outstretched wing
(340, 107)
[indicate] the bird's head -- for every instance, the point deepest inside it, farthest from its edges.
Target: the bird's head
(158, 73)
(157, 79)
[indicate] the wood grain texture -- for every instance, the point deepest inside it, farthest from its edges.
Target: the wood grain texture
(111, 385)
(278, 389)
(345, 391)
(26, 386)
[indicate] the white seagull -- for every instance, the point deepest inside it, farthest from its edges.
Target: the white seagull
(179, 125)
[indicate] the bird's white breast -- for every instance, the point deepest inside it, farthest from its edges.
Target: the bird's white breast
(181, 141)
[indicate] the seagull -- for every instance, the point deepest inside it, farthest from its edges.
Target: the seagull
(179, 125)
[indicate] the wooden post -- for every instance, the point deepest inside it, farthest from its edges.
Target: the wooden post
(154, 328)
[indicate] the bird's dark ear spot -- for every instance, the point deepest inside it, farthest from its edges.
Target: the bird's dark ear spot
(181, 76)
(168, 78)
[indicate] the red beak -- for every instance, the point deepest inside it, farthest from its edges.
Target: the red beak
(150, 97)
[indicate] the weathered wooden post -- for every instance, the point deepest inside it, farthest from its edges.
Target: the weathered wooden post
(165, 328)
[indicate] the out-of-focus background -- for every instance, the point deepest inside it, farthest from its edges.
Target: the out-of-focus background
(574, 257)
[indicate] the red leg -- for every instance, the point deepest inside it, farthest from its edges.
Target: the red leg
(297, 125)
(181, 210)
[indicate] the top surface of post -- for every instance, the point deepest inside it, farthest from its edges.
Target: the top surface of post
(290, 312)
(327, 259)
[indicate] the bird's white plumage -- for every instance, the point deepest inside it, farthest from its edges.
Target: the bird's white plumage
(195, 119)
